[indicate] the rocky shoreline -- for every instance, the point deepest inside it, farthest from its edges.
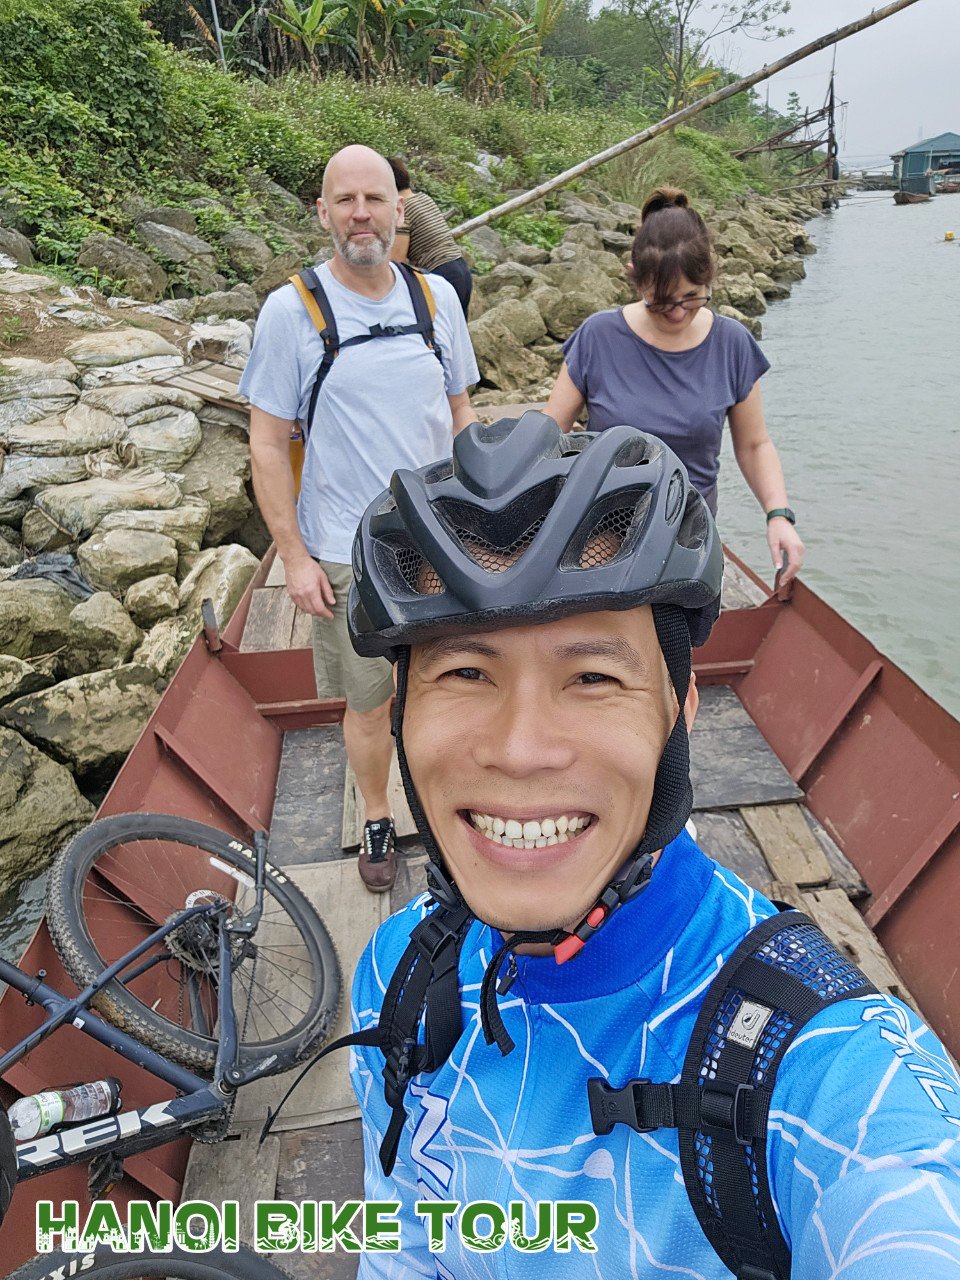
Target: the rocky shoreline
(124, 503)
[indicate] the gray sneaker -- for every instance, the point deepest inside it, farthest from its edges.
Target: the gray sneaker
(378, 859)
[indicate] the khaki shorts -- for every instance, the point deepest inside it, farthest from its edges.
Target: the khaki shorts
(366, 683)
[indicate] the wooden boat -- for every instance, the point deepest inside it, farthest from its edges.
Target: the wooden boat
(910, 197)
(822, 773)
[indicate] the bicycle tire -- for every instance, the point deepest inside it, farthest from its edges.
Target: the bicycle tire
(8, 1164)
(87, 881)
(178, 1264)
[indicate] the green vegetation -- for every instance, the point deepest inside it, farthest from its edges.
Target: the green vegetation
(102, 101)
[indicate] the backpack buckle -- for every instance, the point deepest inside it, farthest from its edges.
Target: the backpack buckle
(614, 1106)
(430, 937)
(732, 1112)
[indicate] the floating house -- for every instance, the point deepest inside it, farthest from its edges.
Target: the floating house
(917, 168)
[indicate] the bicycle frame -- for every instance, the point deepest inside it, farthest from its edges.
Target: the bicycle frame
(131, 1132)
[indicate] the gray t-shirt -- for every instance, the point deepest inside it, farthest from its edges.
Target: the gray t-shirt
(681, 397)
(382, 406)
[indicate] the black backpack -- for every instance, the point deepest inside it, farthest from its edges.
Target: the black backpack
(314, 298)
(783, 973)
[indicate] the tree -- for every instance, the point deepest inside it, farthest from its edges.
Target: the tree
(315, 27)
(683, 45)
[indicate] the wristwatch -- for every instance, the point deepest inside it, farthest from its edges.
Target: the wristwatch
(785, 512)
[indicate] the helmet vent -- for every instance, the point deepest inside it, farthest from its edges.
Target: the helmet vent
(386, 506)
(442, 471)
(406, 569)
(692, 533)
(495, 540)
(610, 532)
(633, 454)
(674, 498)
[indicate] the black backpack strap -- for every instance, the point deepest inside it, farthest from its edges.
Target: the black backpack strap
(314, 298)
(424, 305)
(783, 973)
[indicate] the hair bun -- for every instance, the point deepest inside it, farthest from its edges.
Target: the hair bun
(664, 198)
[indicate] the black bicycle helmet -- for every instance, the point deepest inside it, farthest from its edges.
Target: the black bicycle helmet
(526, 524)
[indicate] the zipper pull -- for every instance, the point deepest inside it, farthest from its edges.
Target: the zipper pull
(507, 981)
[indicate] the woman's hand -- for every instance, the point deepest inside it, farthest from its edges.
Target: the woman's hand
(784, 541)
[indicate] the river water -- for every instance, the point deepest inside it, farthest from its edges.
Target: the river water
(863, 403)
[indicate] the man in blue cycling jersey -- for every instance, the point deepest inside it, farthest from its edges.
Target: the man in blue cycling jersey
(540, 595)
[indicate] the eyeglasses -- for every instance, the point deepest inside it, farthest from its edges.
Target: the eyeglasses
(688, 304)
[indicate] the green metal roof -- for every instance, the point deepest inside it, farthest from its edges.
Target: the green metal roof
(942, 142)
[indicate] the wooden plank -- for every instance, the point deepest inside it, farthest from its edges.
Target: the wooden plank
(325, 1163)
(725, 836)
(238, 1169)
(739, 591)
(411, 878)
(277, 577)
(351, 914)
(269, 621)
(306, 822)
(843, 874)
(789, 894)
(731, 764)
(355, 813)
(842, 923)
(788, 844)
(301, 636)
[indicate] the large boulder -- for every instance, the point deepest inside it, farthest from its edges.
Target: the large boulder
(218, 472)
(118, 346)
(171, 216)
(507, 275)
(277, 273)
(152, 599)
(789, 269)
(750, 323)
(247, 253)
(220, 574)
(738, 241)
(584, 234)
(770, 288)
(742, 293)
(576, 211)
(10, 552)
(487, 244)
(167, 644)
(627, 215)
(185, 524)
(181, 248)
(140, 275)
(502, 359)
(117, 558)
(583, 288)
(102, 634)
(40, 808)
(528, 255)
(238, 303)
(26, 282)
(77, 509)
(88, 722)
(34, 616)
(18, 677)
(522, 318)
(16, 246)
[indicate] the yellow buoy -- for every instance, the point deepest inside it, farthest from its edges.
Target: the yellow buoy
(948, 235)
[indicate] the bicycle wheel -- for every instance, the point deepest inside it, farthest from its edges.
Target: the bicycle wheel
(179, 1264)
(123, 876)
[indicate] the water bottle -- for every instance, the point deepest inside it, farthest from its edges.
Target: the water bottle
(37, 1114)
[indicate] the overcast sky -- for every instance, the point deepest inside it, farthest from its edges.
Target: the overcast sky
(901, 78)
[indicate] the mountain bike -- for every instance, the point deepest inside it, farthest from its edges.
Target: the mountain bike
(210, 968)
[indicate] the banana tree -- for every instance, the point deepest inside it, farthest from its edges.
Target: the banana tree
(314, 28)
(490, 47)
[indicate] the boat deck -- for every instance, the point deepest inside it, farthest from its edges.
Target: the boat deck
(749, 814)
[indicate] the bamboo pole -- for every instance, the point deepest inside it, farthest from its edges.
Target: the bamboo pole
(678, 117)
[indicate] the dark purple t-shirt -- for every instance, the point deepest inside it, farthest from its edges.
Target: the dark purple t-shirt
(682, 397)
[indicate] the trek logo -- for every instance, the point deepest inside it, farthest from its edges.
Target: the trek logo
(748, 1025)
(87, 1137)
(72, 1268)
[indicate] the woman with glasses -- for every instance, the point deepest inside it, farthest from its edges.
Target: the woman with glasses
(668, 365)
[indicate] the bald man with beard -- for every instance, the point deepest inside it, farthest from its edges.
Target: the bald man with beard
(387, 402)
